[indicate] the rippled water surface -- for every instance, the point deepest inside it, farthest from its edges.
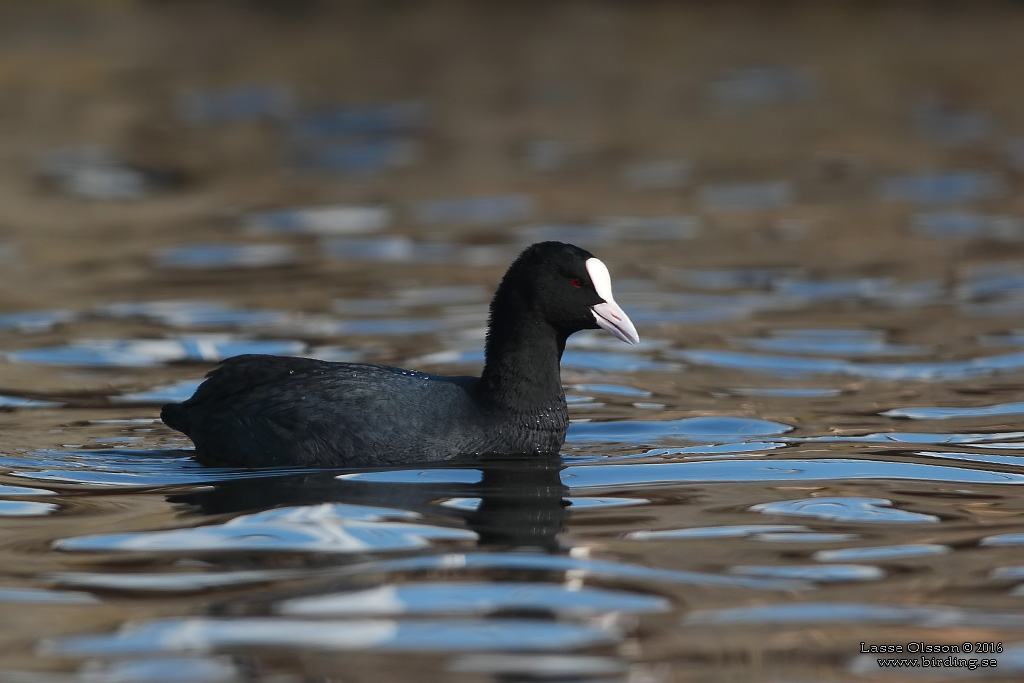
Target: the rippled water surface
(819, 442)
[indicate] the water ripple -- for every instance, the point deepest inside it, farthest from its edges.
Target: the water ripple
(162, 670)
(461, 598)
(18, 402)
(525, 561)
(44, 596)
(400, 249)
(938, 371)
(194, 313)
(23, 491)
(940, 413)
(723, 450)
(982, 440)
(583, 360)
(690, 429)
(731, 531)
(321, 528)
(831, 342)
(945, 187)
(36, 321)
(921, 616)
(612, 389)
(318, 220)
(539, 667)
(968, 225)
(25, 508)
(205, 634)
(785, 392)
(430, 565)
(809, 537)
(1003, 539)
(225, 255)
(886, 552)
(836, 573)
(582, 476)
(149, 352)
(176, 392)
(171, 582)
(126, 467)
(844, 509)
(1013, 461)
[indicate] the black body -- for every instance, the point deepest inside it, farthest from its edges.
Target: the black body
(257, 410)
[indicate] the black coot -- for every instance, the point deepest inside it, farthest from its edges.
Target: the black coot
(257, 410)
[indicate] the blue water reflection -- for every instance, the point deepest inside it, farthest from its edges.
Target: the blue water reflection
(844, 509)
(469, 598)
(205, 634)
(580, 476)
(314, 529)
(835, 573)
(225, 255)
(691, 429)
(889, 552)
(146, 352)
(921, 616)
(938, 371)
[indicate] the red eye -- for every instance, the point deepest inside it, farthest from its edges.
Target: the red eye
(576, 282)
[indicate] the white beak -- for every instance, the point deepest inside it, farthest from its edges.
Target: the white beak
(609, 315)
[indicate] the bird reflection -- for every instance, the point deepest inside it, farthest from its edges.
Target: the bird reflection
(522, 500)
(522, 503)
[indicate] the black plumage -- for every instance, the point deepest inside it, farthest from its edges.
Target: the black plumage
(258, 410)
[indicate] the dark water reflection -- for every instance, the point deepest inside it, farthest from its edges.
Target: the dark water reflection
(818, 442)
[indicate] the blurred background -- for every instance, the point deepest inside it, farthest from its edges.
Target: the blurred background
(807, 132)
(811, 211)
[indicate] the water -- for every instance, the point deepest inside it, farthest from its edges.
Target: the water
(95, 173)
(819, 441)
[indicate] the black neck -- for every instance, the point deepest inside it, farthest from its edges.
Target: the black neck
(522, 356)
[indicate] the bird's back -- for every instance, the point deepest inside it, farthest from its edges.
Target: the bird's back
(258, 411)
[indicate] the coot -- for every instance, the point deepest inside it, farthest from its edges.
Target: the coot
(259, 410)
